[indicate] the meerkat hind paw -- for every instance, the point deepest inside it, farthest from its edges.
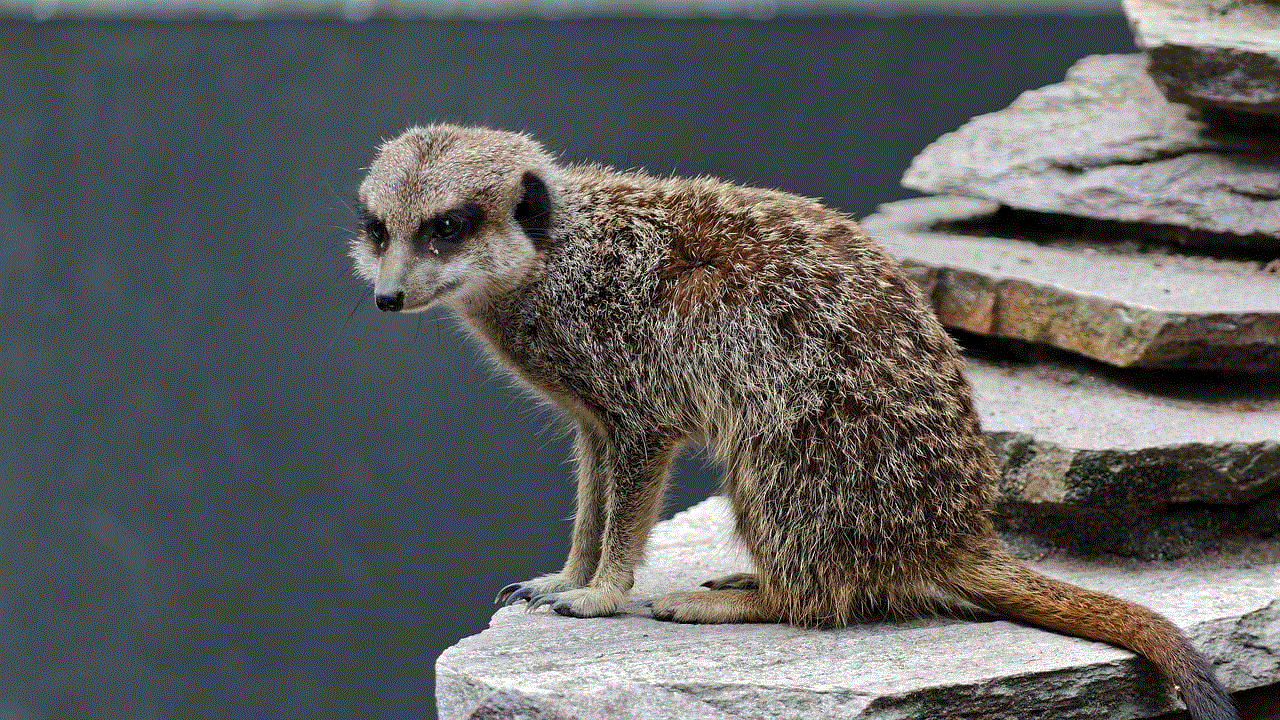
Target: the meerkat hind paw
(716, 606)
(736, 581)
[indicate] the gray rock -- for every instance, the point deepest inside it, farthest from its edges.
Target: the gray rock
(1068, 435)
(542, 665)
(1106, 144)
(1099, 462)
(1221, 54)
(1099, 300)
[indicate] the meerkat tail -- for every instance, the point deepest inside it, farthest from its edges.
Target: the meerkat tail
(997, 582)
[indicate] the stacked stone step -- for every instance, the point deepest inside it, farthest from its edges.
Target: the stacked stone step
(1129, 219)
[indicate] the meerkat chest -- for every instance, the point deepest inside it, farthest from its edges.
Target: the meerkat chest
(593, 330)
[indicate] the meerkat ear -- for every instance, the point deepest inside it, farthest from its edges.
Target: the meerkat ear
(533, 212)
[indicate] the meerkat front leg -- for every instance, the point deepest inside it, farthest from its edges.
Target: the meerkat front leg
(637, 471)
(588, 524)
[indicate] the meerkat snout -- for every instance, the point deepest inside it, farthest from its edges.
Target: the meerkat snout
(390, 302)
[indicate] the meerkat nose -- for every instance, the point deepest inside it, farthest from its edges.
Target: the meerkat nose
(390, 302)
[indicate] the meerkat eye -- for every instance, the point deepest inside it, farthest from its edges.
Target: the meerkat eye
(445, 228)
(376, 230)
(378, 233)
(443, 232)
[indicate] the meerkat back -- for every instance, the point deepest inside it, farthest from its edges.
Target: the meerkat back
(660, 311)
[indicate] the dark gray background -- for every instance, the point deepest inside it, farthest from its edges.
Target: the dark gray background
(229, 487)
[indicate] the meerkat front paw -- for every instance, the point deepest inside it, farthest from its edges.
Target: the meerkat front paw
(581, 603)
(529, 589)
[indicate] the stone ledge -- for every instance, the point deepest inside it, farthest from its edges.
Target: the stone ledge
(1098, 460)
(631, 667)
(1053, 422)
(1106, 144)
(1221, 54)
(1125, 309)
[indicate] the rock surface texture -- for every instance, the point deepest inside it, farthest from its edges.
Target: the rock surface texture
(1074, 437)
(1106, 144)
(1123, 307)
(629, 666)
(1143, 462)
(1222, 54)
(1097, 460)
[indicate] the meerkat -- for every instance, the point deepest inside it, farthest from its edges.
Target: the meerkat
(655, 312)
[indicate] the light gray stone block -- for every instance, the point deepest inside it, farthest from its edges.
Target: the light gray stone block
(1154, 466)
(1106, 144)
(630, 667)
(1088, 439)
(1222, 54)
(1123, 308)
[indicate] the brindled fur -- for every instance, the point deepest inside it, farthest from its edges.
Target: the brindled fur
(659, 311)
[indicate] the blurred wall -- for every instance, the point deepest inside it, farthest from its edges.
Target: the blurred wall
(229, 487)
(490, 9)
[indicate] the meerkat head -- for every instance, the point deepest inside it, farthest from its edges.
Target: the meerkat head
(450, 213)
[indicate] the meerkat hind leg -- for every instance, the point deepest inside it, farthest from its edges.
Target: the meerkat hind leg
(714, 606)
(734, 581)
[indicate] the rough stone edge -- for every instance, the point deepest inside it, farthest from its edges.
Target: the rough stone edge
(1038, 515)
(1167, 69)
(1245, 649)
(1206, 474)
(1113, 683)
(1191, 66)
(1162, 136)
(997, 307)
(983, 304)
(1152, 493)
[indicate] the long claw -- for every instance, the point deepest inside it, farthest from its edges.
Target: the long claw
(504, 592)
(541, 600)
(523, 593)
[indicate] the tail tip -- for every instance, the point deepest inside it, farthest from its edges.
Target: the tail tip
(1207, 699)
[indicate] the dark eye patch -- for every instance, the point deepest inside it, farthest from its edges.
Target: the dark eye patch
(374, 229)
(442, 233)
(533, 212)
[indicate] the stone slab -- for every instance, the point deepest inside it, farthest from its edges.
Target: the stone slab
(1222, 54)
(1085, 437)
(1157, 466)
(630, 667)
(1128, 309)
(1106, 144)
